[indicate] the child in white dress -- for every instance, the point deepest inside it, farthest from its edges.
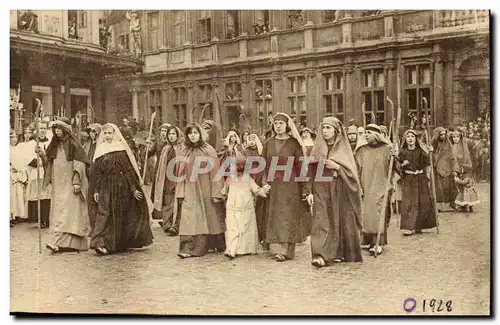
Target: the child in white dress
(241, 223)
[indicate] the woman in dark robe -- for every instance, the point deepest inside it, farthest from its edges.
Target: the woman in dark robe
(123, 210)
(202, 227)
(417, 208)
(285, 219)
(165, 204)
(336, 223)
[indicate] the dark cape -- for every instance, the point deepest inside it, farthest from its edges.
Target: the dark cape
(121, 221)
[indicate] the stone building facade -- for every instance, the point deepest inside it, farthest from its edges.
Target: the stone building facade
(58, 56)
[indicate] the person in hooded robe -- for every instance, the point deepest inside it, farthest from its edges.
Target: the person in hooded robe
(361, 131)
(417, 208)
(232, 146)
(464, 162)
(67, 164)
(155, 149)
(202, 227)
(372, 159)
(445, 169)
(214, 135)
(123, 209)
(337, 206)
(244, 139)
(165, 204)
(285, 219)
(308, 137)
(352, 136)
(18, 179)
(30, 159)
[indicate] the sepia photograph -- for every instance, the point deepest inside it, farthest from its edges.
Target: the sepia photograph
(250, 162)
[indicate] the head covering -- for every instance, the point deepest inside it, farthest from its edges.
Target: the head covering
(341, 154)
(352, 130)
(95, 126)
(294, 133)
(215, 136)
(377, 132)
(118, 143)
(383, 129)
(258, 143)
(72, 147)
(180, 135)
(228, 137)
(418, 141)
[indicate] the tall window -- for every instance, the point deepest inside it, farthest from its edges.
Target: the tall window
(205, 27)
(233, 24)
(417, 86)
(179, 28)
(333, 94)
(297, 98)
(264, 102)
(180, 107)
(261, 22)
(82, 18)
(153, 18)
(233, 91)
(124, 34)
(155, 100)
(373, 96)
(205, 98)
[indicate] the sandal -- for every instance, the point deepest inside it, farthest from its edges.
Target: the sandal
(318, 262)
(379, 250)
(53, 248)
(408, 232)
(337, 260)
(101, 251)
(280, 257)
(184, 255)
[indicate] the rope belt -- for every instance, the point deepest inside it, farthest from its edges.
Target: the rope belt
(414, 172)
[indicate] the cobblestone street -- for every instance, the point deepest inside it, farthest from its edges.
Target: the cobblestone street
(453, 265)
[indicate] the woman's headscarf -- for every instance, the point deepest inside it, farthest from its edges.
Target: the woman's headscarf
(258, 143)
(418, 141)
(294, 133)
(228, 138)
(340, 153)
(95, 126)
(72, 148)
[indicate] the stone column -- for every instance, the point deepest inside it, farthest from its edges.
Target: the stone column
(350, 104)
(448, 89)
(243, 46)
(389, 26)
(312, 96)
(13, 19)
(308, 36)
(67, 97)
(190, 101)
(246, 92)
(347, 32)
(64, 23)
(135, 104)
(161, 29)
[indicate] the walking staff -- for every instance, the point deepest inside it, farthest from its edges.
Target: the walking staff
(395, 142)
(147, 145)
(386, 192)
(38, 182)
(433, 183)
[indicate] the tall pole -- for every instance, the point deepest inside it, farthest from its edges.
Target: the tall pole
(147, 146)
(433, 181)
(37, 123)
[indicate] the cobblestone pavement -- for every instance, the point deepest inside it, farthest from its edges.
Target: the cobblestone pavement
(453, 265)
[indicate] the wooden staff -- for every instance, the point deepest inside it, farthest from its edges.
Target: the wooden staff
(147, 146)
(433, 182)
(38, 190)
(381, 224)
(92, 120)
(364, 115)
(395, 142)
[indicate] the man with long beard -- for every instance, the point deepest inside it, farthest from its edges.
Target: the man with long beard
(66, 163)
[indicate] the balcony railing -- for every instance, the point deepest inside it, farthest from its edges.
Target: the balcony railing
(322, 37)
